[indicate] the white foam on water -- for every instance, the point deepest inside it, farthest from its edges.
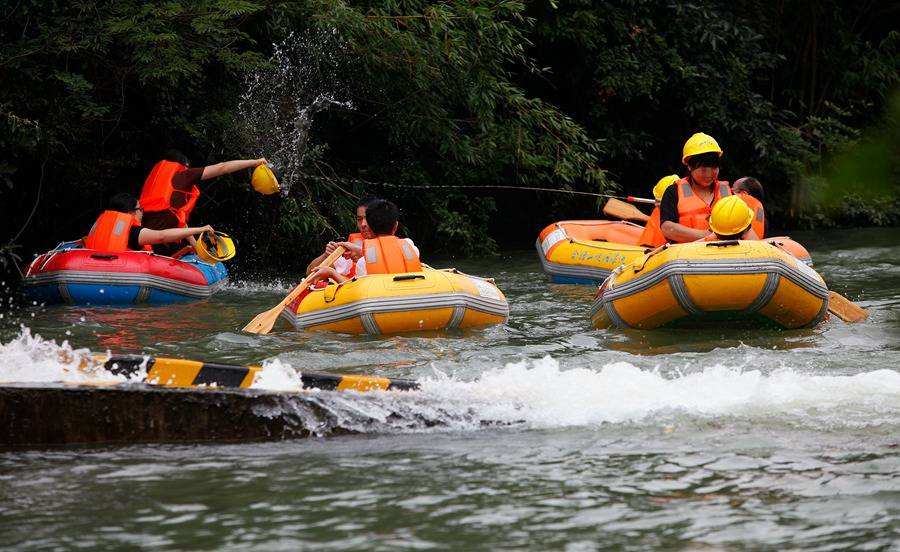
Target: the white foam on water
(29, 358)
(541, 394)
(277, 376)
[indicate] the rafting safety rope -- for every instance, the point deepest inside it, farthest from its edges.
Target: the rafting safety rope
(483, 186)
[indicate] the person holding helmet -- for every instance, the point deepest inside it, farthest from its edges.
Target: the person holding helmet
(652, 236)
(731, 219)
(685, 207)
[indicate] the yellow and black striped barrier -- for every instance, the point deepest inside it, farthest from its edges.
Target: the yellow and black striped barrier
(176, 372)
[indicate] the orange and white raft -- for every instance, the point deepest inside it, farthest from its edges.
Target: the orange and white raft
(587, 251)
(723, 281)
(396, 303)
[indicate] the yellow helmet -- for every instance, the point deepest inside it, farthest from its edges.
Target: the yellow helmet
(215, 247)
(730, 216)
(664, 183)
(264, 180)
(699, 143)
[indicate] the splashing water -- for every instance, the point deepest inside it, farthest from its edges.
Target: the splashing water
(303, 78)
(540, 394)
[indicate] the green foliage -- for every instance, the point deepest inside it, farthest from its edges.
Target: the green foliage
(583, 94)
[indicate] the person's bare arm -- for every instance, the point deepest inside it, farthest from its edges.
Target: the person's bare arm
(680, 233)
(228, 167)
(314, 264)
(152, 237)
(325, 272)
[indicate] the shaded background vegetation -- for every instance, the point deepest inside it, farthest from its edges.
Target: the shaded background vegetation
(594, 96)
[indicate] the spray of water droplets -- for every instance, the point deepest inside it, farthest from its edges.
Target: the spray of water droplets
(304, 76)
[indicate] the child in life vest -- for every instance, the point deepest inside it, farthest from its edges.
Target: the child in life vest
(346, 264)
(382, 254)
(731, 219)
(119, 228)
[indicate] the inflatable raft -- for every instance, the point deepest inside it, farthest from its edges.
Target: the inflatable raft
(77, 276)
(396, 303)
(587, 251)
(687, 284)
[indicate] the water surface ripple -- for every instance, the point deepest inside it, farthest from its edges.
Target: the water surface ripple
(678, 439)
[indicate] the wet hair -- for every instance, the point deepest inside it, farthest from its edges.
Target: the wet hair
(709, 159)
(381, 215)
(123, 203)
(177, 156)
(750, 185)
(364, 201)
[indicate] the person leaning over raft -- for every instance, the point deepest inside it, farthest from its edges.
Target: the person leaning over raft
(119, 228)
(731, 219)
(751, 191)
(170, 190)
(385, 253)
(346, 265)
(685, 207)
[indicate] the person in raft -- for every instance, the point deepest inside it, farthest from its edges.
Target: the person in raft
(346, 264)
(751, 191)
(384, 253)
(731, 219)
(170, 191)
(685, 207)
(651, 228)
(119, 228)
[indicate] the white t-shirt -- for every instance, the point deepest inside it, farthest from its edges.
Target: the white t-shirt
(361, 262)
(343, 265)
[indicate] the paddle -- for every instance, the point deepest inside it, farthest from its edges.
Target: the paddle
(622, 210)
(845, 309)
(264, 321)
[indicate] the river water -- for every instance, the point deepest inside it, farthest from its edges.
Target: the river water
(549, 435)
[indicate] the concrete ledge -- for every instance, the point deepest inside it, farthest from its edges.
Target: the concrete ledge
(32, 415)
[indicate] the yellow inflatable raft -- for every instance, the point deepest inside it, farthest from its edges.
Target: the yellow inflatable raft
(395, 303)
(712, 281)
(587, 251)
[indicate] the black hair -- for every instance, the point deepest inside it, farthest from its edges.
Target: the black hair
(177, 156)
(365, 200)
(123, 203)
(708, 159)
(381, 215)
(750, 185)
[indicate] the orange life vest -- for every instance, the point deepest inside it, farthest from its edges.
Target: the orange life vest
(652, 235)
(759, 214)
(693, 212)
(356, 239)
(110, 232)
(159, 193)
(390, 255)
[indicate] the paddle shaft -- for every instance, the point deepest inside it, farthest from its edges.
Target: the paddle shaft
(264, 321)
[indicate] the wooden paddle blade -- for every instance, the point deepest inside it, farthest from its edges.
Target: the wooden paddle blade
(621, 210)
(845, 309)
(264, 321)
